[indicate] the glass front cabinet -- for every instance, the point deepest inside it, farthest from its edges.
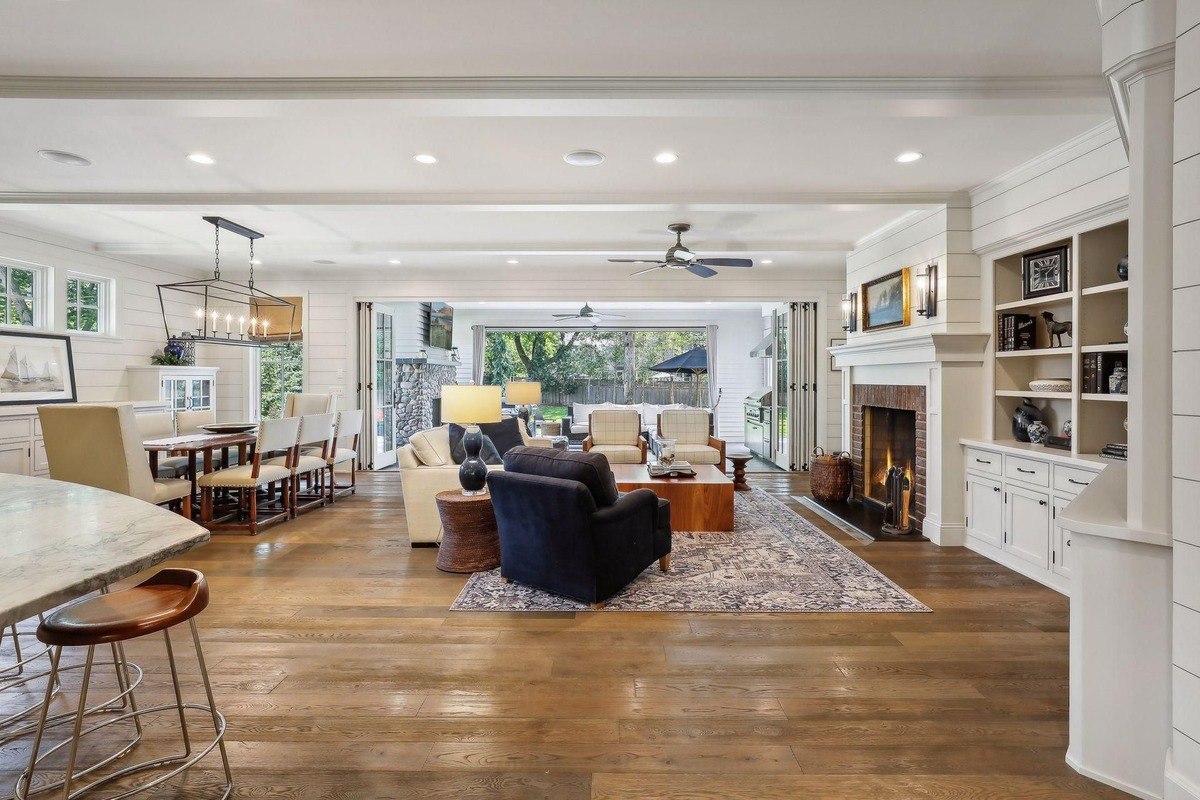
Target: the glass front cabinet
(181, 388)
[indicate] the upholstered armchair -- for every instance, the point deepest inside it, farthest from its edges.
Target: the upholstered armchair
(617, 435)
(565, 529)
(691, 429)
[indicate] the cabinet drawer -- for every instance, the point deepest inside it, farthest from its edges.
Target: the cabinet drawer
(1070, 480)
(15, 428)
(983, 461)
(1027, 470)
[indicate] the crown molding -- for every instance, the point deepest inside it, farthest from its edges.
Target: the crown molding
(1058, 229)
(93, 87)
(1056, 156)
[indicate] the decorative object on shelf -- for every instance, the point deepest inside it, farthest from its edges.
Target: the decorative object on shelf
(1123, 268)
(885, 302)
(1115, 451)
(182, 348)
(1038, 431)
(1125, 424)
(36, 368)
(1055, 329)
(666, 451)
(469, 406)
(1025, 413)
(1118, 381)
(1050, 385)
(1045, 272)
(1068, 428)
(1125, 330)
(164, 359)
(850, 312)
(927, 291)
(1016, 332)
(1058, 442)
(831, 476)
(248, 313)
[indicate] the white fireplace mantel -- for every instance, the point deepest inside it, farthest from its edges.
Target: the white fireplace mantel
(923, 349)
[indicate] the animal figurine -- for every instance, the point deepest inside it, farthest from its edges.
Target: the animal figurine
(1055, 329)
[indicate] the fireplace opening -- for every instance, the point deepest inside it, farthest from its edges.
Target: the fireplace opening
(889, 461)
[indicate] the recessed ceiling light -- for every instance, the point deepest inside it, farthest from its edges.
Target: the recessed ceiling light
(513, 261)
(63, 157)
(666, 158)
(909, 157)
(425, 158)
(324, 261)
(584, 158)
(393, 261)
(767, 261)
(201, 158)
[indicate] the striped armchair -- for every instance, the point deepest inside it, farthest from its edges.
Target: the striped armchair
(617, 435)
(690, 428)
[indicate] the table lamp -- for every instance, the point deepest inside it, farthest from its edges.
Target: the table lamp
(524, 395)
(469, 406)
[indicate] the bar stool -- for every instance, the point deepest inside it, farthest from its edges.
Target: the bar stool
(170, 598)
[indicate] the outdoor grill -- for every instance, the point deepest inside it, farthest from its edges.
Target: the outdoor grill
(758, 422)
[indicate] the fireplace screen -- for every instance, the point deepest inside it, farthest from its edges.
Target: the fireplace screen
(890, 440)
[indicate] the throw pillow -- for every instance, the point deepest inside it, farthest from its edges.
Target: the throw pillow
(505, 434)
(458, 453)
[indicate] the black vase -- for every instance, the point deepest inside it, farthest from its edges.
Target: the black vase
(1123, 268)
(1025, 414)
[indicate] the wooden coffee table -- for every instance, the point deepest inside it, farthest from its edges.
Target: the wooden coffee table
(702, 503)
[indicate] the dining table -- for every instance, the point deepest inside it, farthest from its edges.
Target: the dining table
(197, 446)
(64, 540)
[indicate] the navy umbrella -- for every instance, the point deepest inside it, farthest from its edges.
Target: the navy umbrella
(694, 362)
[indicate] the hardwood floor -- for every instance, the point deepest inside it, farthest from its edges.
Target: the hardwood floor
(344, 675)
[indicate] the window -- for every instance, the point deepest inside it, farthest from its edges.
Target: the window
(20, 296)
(280, 373)
(87, 304)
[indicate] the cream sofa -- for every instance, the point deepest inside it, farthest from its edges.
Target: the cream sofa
(426, 468)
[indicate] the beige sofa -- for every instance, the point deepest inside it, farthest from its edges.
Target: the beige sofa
(426, 468)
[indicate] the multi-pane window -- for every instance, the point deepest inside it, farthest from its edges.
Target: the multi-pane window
(280, 373)
(19, 296)
(86, 304)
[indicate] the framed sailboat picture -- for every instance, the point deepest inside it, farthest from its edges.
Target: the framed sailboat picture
(36, 368)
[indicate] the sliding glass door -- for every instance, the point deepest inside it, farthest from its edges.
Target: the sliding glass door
(383, 399)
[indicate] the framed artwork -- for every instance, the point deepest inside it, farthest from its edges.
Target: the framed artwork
(36, 368)
(885, 302)
(1046, 272)
(835, 343)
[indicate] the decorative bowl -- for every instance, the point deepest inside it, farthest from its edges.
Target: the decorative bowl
(229, 427)
(1050, 385)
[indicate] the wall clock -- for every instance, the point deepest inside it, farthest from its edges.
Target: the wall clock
(1046, 272)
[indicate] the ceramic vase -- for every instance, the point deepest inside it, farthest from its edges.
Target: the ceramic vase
(1024, 414)
(1038, 431)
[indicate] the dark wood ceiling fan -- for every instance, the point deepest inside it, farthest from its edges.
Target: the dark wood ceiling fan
(680, 257)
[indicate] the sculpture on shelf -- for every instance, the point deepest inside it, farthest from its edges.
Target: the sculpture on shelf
(1025, 414)
(1038, 431)
(1068, 428)
(1055, 329)
(1123, 268)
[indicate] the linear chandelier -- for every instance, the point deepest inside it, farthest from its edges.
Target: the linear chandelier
(250, 317)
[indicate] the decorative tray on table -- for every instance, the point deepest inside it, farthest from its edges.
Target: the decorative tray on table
(229, 427)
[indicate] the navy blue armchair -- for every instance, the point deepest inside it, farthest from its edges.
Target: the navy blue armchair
(565, 529)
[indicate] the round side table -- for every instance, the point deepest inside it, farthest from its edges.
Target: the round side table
(740, 460)
(470, 542)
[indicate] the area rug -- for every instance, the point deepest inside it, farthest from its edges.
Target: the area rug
(773, 560)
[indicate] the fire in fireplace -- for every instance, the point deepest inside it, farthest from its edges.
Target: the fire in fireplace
(889, 458)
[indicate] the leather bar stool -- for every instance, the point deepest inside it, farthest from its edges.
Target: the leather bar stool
(170, 598)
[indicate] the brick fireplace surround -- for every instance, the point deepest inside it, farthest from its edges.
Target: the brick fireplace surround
(907, 398)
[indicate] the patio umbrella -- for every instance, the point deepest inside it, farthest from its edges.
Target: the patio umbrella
(694, 362)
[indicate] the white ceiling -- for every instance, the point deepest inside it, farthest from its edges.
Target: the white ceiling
(786, 115)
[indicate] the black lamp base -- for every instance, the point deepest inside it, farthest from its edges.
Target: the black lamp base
(472, 475)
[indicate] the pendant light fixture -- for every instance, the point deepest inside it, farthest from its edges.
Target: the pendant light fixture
(224, 311)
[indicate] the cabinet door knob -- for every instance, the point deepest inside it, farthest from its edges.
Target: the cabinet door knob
(1041, 502)
(995, 488)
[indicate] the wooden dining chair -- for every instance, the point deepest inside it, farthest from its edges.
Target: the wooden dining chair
(310, 462)
(249, 514)
(99, 445)
(343, 453)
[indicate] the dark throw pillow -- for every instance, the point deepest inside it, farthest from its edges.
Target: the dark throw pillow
(488, 453)
(505, 434)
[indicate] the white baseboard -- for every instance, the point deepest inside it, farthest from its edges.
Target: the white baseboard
(1110, 781)
(1177, 786)
(944, 535)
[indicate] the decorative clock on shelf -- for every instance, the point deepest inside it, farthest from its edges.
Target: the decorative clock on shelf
(1046, 272)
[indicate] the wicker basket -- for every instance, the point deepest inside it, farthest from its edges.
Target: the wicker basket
(831, 475)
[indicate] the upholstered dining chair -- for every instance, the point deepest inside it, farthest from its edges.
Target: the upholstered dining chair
(691, 428)
(249, 514)
(617, 434)
(190, 421)
(99, 445)
(343, 453)
(316, 440)
(298, 404)
(161, 425)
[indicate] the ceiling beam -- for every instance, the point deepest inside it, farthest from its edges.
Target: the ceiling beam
(287, 247)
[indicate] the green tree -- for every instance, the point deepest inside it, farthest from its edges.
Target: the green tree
(280, 373)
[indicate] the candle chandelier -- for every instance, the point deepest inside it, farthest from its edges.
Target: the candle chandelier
(224, 311)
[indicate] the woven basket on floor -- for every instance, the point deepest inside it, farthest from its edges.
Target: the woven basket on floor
(830, 475)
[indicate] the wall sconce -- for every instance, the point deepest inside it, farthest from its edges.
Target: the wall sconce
(927, 290)
(454, 354)
(423, 354)
(850, 311)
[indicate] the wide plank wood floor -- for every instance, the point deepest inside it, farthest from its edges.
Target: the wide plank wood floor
(344, 675)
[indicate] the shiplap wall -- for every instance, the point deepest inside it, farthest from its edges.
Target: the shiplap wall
(1185, 744)
(411, 327)
(100, 361)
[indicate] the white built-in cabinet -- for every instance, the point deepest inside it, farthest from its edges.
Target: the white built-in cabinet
(22, 450)
(1014, 497)
(181, 388)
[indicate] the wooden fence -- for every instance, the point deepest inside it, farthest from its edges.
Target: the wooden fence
(658, 393)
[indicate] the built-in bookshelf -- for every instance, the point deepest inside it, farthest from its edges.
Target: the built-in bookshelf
(1097, 305)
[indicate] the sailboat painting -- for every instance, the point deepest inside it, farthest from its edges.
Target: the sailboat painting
(36, 368)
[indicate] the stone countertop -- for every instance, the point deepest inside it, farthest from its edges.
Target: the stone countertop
(59, 541)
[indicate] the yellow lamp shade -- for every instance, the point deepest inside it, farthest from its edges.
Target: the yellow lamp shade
(470, 405)
(521, 393)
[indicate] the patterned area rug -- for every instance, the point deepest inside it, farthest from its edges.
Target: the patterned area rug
(774, 560)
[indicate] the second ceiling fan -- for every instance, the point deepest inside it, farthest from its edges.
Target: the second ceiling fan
(680, 257)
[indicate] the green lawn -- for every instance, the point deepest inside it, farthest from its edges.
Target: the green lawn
(553, 413)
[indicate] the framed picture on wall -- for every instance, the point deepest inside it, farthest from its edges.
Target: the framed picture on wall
(36, 368)
(885, 302)
(1046, 272)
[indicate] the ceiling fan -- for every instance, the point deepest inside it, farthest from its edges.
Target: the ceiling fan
(587, 313)
(679, 257)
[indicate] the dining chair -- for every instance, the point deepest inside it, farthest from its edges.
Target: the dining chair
(161, 425)
(347, 432)
(189, 422)
(247, 479)
(315, 441)
(99, 445)
(298, 404)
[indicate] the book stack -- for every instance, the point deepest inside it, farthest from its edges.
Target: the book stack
(1017, 332)
(1117, 452)
(678, 469)
(1097, 367)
